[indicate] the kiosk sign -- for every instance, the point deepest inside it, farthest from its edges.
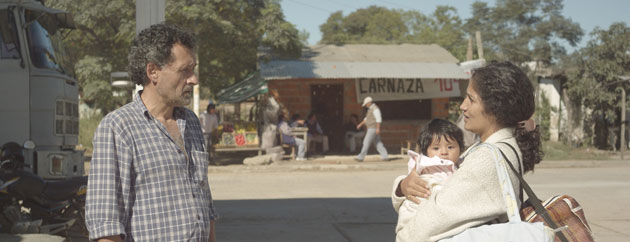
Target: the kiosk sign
(393, 89)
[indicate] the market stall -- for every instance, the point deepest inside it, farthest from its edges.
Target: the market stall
(235, 134)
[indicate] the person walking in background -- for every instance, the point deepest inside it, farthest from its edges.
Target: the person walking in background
(148, 178)
(209, 123)
(373, 122)
(353, 133)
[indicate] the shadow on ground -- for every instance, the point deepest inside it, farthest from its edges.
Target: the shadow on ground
(308, 219)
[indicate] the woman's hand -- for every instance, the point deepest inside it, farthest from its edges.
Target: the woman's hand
(413, 186)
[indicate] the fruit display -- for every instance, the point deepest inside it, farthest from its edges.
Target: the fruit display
(238, 134)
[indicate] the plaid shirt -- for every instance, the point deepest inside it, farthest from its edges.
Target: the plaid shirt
(141, 185)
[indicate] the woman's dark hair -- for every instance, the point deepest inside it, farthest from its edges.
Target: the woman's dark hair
(438, 128)
(154, 45)
(508, 95)
(210, 107)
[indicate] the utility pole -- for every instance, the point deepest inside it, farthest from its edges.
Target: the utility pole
(623, 121)
(479, 45)
(622, 143)
(469, 51)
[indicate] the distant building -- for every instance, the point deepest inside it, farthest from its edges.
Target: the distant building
(410, 83)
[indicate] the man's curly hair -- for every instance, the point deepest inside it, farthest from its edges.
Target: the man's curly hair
(153, 45)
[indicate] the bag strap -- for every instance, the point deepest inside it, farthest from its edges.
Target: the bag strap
(538, 207)
(520, 169)
(507, 189)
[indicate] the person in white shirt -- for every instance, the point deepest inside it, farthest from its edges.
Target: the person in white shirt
(373, 122)
(209, 123)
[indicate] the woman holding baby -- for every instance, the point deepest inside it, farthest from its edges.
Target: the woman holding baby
(498, 105)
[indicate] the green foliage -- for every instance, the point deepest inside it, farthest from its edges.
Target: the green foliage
(593, 73)
(522, 31)
(374, 25)
(543, 115)
(443, 27)
(514, 30)
(229, 34)
(593, 76)
(379, 25)
(87, 126)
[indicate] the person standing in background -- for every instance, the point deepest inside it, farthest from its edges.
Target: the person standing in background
(209, 123)
(271, 112)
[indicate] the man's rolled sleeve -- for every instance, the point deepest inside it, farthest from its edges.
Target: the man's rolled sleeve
(108, 183)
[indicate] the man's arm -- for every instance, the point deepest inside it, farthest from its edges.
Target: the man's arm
(361, 124)
(379, 120)
(109, 179)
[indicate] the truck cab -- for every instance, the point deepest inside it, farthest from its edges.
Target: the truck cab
(39, 96)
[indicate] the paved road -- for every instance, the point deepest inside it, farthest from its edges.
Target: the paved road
(353, 204)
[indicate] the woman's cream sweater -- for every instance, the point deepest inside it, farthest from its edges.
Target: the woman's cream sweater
(470, 197)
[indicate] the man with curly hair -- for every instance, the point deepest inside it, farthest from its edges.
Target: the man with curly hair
(148, 179)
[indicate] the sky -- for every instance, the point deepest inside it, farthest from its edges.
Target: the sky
(309, 15)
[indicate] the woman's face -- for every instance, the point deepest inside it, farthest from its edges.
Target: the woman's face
(475, 117)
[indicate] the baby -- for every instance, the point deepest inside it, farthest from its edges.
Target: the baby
(440, 143)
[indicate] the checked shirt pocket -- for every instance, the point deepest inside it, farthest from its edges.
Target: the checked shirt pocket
(200, 159)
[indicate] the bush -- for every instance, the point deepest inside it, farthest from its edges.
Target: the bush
(87, 126)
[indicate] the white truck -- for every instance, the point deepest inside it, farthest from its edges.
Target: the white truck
(38, 96)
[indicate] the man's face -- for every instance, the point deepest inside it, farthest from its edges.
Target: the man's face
(176, 79)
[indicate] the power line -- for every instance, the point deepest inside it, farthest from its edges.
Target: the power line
(343, 4)
(311, 6)
(396, 4)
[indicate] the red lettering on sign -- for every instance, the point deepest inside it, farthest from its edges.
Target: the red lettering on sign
(445, 85)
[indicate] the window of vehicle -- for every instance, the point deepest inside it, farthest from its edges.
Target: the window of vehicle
(44, 41)
(9, 43)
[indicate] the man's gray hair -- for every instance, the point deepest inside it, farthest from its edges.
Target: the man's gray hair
(153, 45)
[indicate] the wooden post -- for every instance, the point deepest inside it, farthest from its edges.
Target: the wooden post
(479, 45)
(623, 121)
(469, 52)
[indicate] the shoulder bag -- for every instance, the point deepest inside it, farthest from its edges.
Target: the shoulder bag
(561, 212)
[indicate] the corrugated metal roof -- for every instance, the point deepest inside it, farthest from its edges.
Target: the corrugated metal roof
(378, 53)
(307, 69)
(367, 61)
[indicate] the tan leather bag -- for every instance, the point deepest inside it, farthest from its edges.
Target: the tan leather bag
(566, 212)
(561, 213)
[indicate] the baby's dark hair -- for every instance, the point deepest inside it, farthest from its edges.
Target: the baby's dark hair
(437, 128)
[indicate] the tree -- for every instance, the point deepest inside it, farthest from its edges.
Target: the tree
(98, 46)
(443, 27)
(368, 25)
(523, 31)
(379, 25)
(229, 34)
(593, 75)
